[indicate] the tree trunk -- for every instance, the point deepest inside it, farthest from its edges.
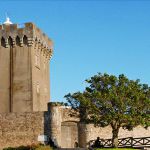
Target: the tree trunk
(115, 132)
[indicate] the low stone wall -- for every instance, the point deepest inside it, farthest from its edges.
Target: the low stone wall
(22, 128)
(88, 132)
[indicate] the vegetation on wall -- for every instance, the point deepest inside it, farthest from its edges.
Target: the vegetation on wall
(115, 101)
(59, 104)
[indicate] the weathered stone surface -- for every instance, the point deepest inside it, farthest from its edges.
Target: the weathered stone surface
(63, 126)
(24, 68)
(22, 128)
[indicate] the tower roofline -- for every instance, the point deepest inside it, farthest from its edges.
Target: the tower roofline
(30, 30)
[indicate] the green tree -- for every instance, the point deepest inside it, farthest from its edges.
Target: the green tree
(115, 101)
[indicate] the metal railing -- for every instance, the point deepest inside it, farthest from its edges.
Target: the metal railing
(125, 142)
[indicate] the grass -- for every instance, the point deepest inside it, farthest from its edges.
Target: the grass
(116, 149)
(43, 148)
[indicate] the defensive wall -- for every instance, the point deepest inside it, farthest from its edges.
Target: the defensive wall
(24, 68)
(24, 128)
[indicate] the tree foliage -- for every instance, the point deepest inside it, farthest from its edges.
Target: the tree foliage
(115, 101)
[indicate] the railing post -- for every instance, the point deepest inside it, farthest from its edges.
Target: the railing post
(131, 141)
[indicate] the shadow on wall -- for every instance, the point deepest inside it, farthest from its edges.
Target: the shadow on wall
(47, 123)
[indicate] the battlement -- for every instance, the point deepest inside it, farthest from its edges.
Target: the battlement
(25, 52)
(28, 34)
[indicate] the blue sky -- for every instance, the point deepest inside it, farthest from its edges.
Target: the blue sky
(89, 37)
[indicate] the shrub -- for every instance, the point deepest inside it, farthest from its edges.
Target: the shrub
(31, 147)
(44, 148)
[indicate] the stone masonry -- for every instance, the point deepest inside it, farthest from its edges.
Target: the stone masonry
(64, 126)
(24, 68)
(24, 128)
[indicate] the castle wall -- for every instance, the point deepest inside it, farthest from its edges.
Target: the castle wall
(21, 79)
(88, 132)
(40, 78)
(23, 128)
(24, 68)
(4, 78)
(63, 125)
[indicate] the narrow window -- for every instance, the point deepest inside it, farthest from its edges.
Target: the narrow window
(38, 88)
(25, 40)
(17, 41)
(3, 42)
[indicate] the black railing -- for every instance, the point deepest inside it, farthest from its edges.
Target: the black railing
(125, 142)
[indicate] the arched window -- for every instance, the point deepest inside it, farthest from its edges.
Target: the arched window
(25, 40)
(17, 41)
(3, 42)
(10, 41)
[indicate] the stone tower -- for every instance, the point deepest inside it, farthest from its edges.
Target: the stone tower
(24, 68)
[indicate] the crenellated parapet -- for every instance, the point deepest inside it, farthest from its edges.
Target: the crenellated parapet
(29, 35)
